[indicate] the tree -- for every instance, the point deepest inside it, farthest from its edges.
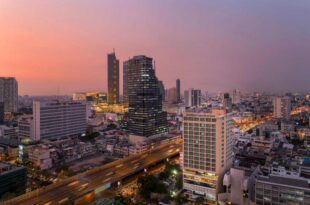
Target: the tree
(199, 201)
(181, 199)
(179, 182)
(150, 184)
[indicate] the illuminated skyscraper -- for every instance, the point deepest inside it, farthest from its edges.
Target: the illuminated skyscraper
(207, 151)
(145, 114)
(113, 79)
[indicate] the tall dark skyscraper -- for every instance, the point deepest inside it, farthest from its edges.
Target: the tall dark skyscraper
(227, 101)
(162, 90)
(125, 82)
(113, 79)
(178, 86)
(9, 93)
(145, 114)
(1, 113)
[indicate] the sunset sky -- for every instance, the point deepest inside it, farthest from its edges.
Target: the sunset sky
(51, 45)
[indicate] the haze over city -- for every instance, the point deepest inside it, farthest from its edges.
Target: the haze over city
(60, 47)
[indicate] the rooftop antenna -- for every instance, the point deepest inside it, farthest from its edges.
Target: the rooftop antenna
(113, 50)
(154, 66)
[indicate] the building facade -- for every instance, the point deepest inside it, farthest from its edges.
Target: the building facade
(145, 115)
(12, 178)
(125, 82)
(8, 132)
(1, 113)
(9, 94)
(171, 95)
(282, 186)
(162, 90)
(207, 151)
(55, 119)
(26, 127)
(178, 86)
(236, 96)
(281, 107)
(113, 79)
(192, 98)
(227, 101)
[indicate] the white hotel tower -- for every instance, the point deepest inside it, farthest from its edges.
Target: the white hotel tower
(207, 151)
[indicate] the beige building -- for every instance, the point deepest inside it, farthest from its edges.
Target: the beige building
(281, 107)
(207, 151)
(39, 156)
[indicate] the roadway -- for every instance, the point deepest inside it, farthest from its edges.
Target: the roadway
(92, 181)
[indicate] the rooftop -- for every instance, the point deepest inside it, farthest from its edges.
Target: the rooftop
(288, 181)
(6, 167)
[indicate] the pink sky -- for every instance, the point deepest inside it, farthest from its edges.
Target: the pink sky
(250, 45)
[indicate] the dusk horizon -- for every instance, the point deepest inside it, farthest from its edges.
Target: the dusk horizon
(60, 47)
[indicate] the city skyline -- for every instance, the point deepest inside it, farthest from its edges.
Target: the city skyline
(60, 47)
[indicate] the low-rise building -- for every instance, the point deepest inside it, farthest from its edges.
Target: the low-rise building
(26, 127)
(282, 186)
(40, 157)
(7, 132)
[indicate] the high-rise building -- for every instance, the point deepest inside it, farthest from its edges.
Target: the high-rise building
(192, 97)
(125, 82)
(162, 90)
(1, 113)
(171, 95)
(236, 96)
(281, 107)
(9, 94)
(145, 114)
(53, 120)
(178, 86)
(207, 151)
(113, 79)
(227, 101)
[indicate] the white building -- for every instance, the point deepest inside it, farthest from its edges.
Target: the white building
(9, 94)
(7, 132)
(281, 107)
(207, 151)
(26, 127)
(58, 119)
